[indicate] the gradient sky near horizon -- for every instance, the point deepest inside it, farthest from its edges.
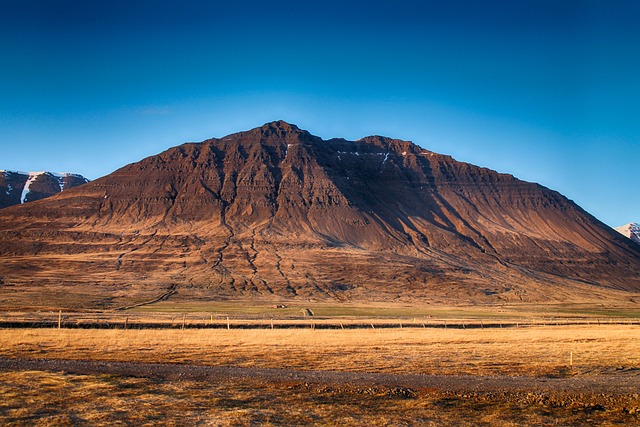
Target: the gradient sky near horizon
(548, 91)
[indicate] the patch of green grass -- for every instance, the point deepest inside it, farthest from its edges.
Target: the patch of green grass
(584, 310)
(319, 310)
(388, 311)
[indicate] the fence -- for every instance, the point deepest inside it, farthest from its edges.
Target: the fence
(74, 320)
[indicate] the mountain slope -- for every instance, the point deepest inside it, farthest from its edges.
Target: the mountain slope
(276, 212)
(21, 187)
(631, 231)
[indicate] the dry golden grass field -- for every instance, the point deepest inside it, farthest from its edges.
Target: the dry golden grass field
(606, 353)
(531, 351)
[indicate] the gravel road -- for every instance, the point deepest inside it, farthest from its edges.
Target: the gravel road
(622, 383)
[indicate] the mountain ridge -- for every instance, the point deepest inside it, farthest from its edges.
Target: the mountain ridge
(275, 212)
(18, 187)
(631, 230)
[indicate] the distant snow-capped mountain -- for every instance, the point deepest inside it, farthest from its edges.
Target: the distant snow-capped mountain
(631, 230)
(22, 187)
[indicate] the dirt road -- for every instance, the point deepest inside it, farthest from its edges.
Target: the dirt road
(619, 383)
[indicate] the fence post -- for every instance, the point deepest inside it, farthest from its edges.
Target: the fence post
(59, 319)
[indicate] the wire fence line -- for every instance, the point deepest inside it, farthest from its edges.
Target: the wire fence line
(73, 320)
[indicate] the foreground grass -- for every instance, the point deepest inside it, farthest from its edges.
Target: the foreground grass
(57, 398)
(533, 351)
(43, 398)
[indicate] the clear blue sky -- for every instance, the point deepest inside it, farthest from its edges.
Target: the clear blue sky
(548, 91)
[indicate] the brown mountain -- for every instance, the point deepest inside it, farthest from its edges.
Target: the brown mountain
(277, 213)
(22, 187)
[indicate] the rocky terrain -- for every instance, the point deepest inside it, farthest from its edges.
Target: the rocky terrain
(631, 230)
(276, 213)
(22, 187)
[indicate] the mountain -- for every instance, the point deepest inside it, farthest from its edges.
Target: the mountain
(631, 230)
(21, 187)
(276, 213)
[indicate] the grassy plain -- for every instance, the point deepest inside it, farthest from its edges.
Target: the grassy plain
(58, 398)
(397, 311)
(31, 398)
(532, 351)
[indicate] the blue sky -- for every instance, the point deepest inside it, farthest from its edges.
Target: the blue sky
(548, 91)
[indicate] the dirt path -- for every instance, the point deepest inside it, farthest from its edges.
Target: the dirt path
(163, 297)
(624, 383)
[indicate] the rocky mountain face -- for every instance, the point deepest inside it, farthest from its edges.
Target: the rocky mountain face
(631, 231)
(276, 213)
(21, 187)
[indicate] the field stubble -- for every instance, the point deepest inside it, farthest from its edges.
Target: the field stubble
(46, 398)
(532, 351)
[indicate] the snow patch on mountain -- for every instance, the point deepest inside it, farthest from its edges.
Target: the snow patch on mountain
(25, 189)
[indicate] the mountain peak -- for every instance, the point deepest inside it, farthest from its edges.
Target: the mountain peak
(280, 132)
(280, 125)
(20, 187)
(273, 133)
(280, 129)
(631, 230)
